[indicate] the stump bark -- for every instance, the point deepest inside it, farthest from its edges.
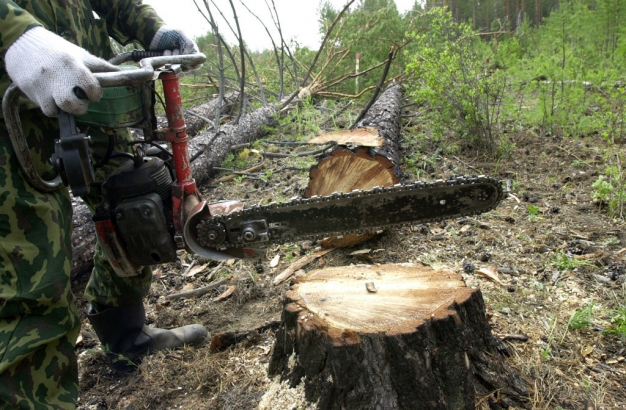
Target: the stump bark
(398, 336)
(367, 156)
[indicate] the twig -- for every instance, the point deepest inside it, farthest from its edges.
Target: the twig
(378, 89)
(569, 153)
(193, 262)
(205, 119)
(291, 143)
(298, 154)
(319, 51)
(338, 113)
(511, 271)
(278, 61)
(514, 197)
(196, 292)
(300, 263)
(223, 340)
(243, 63)
(201, 151)
(465, 163)
(512, 336)
(234, 174)
(215, 270)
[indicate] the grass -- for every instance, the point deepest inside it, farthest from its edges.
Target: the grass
(618, 322)
(563, 262)
(581, 318)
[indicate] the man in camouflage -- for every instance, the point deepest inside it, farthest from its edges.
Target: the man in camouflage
(42, 50)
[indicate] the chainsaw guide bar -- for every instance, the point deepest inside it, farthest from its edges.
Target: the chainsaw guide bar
(344, 213)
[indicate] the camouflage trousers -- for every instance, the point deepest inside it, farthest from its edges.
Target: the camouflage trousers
(39, 322)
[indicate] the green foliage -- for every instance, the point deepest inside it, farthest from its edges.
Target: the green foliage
(303, 121)
(581, 318)
(451, 67)
(602, 189)
(610, 189)
(370, 30)
(563, 262)
(533, 212)
(618, 322)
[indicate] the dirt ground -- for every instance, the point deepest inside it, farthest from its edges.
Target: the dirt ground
(548, 218)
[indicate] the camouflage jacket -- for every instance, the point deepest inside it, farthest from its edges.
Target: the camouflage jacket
(74, 20)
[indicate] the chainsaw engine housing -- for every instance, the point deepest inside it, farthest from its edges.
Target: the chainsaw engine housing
(138, 202)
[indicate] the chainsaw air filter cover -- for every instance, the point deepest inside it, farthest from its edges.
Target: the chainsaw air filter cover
(139, 199)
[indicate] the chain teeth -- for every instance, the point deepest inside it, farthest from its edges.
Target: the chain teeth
(207, 226)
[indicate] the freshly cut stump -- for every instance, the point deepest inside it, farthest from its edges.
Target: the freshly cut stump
(397, 336)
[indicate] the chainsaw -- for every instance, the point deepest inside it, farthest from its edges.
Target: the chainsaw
(152, 207)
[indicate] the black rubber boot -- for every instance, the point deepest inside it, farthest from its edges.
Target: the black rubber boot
(126, 338)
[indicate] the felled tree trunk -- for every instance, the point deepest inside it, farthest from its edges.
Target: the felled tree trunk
(249, 128)
(207, 110)
(83, 239)
(365, 157)
(398, 336)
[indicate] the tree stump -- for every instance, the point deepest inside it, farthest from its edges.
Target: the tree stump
(365, 157)
(397, 336)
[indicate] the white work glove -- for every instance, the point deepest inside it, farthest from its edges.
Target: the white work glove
(174, 42)
(48, 69)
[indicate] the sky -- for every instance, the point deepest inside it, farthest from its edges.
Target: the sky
(298, 19)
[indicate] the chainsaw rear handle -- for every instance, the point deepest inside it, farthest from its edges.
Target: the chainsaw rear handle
(146, 72)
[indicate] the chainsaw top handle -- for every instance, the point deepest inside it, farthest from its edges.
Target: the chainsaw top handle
(149, 63)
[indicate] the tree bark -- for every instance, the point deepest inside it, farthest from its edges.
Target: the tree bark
(83, 239)
(365, 157)
(398, 336)
(207, 110)
(250, 128)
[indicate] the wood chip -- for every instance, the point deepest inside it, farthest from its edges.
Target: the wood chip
(297, 265)
(360, 252)
(274, 261)
(370, 287)
(491, 273)
(226, 293)
(193, 271)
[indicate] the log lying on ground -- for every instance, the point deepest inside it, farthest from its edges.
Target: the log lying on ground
(366, 156)
(83, 239)
(207, 110)
(249, 129)
(398, 336)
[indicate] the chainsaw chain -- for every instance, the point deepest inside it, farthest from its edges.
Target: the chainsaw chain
(210, 232)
